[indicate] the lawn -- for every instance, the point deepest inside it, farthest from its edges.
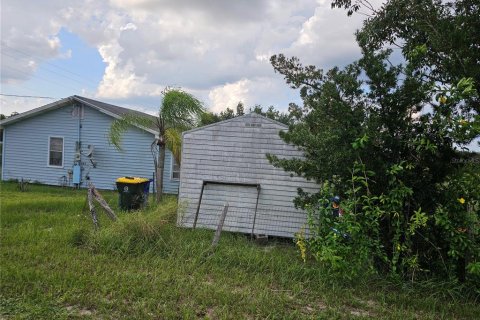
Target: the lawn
(54, 266)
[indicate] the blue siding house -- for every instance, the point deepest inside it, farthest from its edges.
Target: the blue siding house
(66, 143)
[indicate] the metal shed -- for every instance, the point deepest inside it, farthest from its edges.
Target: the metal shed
(226, 162)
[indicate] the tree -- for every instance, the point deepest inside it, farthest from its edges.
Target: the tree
(438, 39)
(178, 112)
(227, 114)
(386, 136)
(272, 113)
(240, 109)
(286, 118)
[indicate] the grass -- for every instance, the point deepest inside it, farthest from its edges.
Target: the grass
(54, 266)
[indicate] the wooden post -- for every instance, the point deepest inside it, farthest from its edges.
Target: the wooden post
(216, 238)
(103, 203)
(93, 212)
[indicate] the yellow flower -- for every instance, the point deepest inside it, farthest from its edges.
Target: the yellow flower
(398, 247)
(461, 200)
(442, 99)
(303, 250)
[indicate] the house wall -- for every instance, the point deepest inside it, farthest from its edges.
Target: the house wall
(26, 151)
(234, 151)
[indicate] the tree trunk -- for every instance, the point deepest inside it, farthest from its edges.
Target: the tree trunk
(159, 172)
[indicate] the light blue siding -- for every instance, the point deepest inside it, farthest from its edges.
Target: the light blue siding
(169, 185)
(26, 152)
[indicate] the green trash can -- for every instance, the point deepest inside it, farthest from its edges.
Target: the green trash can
(133, 192)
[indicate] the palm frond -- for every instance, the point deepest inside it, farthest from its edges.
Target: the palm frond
(173, 142)
(120, 126)
(180, 109)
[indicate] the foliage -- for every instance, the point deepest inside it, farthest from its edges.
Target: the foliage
(458, 222)
(438, 38)
(179, 111)
(376, 234)
(210, 117)
(388, 138)
(271, 113)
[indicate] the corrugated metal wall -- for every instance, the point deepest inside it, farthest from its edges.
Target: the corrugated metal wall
(234, 151)
(26, 151)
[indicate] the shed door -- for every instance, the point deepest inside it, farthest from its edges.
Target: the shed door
(241, 200)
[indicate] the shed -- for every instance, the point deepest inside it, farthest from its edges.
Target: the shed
(226, 162)
(50, 144)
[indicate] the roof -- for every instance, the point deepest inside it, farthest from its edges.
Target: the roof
(106, 108)
(248, 115)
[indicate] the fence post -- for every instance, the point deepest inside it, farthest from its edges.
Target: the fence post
(93, 212)
(216, 238)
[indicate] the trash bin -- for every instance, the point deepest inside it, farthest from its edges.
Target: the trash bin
(133, 192)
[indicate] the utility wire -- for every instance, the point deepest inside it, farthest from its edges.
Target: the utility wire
(46, 62)
(79, 81)
(42, 78)
(20, 96)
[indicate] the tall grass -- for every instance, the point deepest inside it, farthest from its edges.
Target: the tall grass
(55, 266)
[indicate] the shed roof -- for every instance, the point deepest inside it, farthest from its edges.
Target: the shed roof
(106, 108)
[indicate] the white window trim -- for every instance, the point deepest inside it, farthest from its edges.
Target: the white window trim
(63, 152)
(172, 163)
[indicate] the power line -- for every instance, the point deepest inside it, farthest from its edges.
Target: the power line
(62, 84)
(83, 78)
(20, 96)
(79, 81)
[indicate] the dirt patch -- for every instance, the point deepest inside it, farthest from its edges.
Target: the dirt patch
(208, 313)
(75, 310)
(314, 308)
(85, 312)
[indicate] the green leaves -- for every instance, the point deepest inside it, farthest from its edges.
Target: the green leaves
(359, 143)
(120, 126)
(173, 142)
(180, 109)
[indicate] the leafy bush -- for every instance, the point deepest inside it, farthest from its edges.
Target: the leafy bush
(388, 233)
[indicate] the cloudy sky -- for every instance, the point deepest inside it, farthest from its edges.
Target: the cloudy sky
(127, 51)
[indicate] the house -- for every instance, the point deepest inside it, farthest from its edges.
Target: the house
(66, 143)
(225, 162)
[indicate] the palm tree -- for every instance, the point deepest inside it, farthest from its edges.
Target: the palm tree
(178, 112)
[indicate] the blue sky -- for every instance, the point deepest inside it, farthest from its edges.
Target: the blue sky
(78, 68)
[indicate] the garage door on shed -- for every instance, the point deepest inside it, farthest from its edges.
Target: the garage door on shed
(242, 203)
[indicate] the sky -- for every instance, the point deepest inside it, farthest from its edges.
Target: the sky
(126, 52)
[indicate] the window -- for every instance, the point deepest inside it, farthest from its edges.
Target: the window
(55, 152)
(175, 170)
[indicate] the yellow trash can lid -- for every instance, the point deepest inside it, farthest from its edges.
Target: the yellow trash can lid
(132, 180)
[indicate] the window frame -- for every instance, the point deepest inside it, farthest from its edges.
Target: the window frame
(171, 169)
(63, 152)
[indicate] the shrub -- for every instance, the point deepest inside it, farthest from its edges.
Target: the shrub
(390, 233)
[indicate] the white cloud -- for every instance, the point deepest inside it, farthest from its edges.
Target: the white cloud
(229, 95)
(8, 105)
(219, 49)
